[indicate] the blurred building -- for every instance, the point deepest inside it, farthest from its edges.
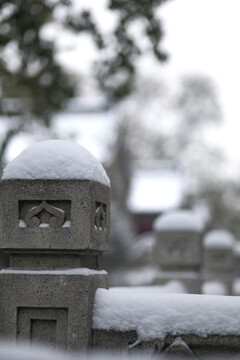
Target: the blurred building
(156, 187)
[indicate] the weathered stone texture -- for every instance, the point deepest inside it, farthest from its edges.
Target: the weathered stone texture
(64, 299)
(178, 249)
(49, 227)
(85, 205)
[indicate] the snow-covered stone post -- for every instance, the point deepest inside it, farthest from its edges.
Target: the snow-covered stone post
(218, 261)
(54, 223)
(178, 249)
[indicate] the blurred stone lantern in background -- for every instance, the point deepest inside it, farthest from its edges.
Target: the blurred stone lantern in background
(178, 248)
(218, 260)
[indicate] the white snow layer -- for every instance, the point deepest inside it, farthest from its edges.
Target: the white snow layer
(179, 220)
(154, 315)
(56, 159)
(218, 239)
(22, 351)
(214, 288)
(75, 271)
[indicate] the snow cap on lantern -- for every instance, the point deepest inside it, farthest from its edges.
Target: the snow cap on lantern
(55, 195)
(178, 239)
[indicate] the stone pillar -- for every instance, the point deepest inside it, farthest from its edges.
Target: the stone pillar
(54, 231)
(218, 259)
(178, 249)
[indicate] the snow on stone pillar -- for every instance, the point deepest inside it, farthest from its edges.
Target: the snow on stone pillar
(54, 223)
(218, 262)
(178, 249)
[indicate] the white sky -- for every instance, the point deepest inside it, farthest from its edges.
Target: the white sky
(202, 36)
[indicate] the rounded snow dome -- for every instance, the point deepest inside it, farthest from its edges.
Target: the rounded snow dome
(56, 159)
(184, 220)
(218, 239)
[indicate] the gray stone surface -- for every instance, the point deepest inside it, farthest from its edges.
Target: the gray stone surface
(48, 308)
(49, 227)
(29, 224)
(218, 259)
(212, 346)
(4, 259)
(178, 254)
(178, 249)
(113, 340)
(179, 350)
(53, 260)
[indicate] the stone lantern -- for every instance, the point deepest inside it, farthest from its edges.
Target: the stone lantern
(178, 249)
(54, 224)
(218, 259)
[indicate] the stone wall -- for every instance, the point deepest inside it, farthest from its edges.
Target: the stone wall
(188, 346)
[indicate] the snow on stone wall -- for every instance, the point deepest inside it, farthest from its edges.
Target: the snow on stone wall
(154, 315)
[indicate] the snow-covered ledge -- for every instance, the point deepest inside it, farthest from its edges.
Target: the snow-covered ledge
(54, 223)
(180, 324)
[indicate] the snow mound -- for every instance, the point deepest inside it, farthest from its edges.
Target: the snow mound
(214, 288)
(154, 315)
(179, 220)
(218, 239)
(56, 159)
(22, 351)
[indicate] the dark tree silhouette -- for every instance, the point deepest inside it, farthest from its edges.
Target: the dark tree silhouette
(33, 85)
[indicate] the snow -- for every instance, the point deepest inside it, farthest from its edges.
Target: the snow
(155, 188)
(218, 239)
(44, 225)
(56, 159)
(85, 121)
(22, 224)
(154, 315)
(179, 220)
(75, 271)
(22, 351)
(67, 224)
(214, 288)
